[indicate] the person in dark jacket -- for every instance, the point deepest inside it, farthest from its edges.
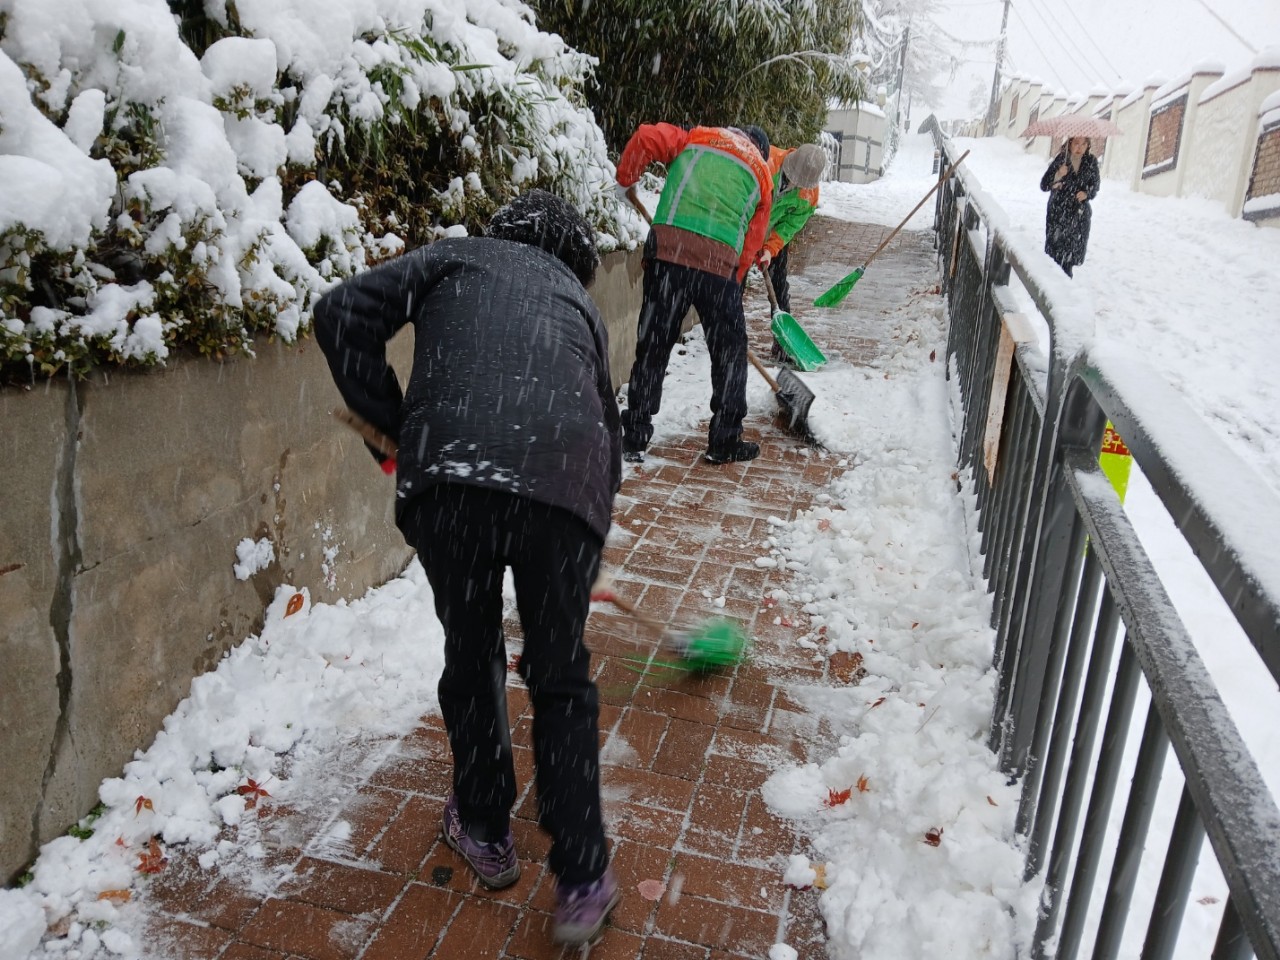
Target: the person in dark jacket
(509, 455)
(1072, 181)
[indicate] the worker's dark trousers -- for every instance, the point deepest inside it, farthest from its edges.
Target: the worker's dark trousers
(465, 537)
(778, 274)
(781, 290)
(669, 291)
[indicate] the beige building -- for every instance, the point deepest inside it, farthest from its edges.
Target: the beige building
(859, 131)
(1208, 133)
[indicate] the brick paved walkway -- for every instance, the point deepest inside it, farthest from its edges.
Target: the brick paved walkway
(684, 757)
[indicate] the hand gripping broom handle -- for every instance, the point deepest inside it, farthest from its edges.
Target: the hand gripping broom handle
(941, 180)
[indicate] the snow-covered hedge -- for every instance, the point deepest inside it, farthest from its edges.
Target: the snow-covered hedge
(191, 173)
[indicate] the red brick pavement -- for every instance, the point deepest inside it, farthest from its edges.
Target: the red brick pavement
(684, 757)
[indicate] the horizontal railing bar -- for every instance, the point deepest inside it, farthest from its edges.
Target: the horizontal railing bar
(1211, 494)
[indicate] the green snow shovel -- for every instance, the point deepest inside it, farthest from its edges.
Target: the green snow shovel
(842, 288)
(711, 646)
(804, 353)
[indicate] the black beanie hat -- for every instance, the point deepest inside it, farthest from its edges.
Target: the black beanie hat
(549, 223)
(759, 138)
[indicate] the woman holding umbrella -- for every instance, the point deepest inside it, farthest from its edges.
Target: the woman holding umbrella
(1072, 180)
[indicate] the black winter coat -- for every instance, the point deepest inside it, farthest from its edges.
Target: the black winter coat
(510, 387)
(1066, 230)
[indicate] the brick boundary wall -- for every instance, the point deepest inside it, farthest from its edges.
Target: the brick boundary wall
(1264, 180)
(1164, 138)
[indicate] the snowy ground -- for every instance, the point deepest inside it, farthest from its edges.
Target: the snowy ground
(1193, 292)
(887, 566)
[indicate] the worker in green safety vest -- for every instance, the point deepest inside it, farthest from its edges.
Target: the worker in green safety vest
(709, 228)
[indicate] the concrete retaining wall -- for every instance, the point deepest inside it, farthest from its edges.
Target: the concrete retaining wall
(124, 498)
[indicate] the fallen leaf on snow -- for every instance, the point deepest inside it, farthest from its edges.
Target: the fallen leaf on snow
(154, 860)
(837, 797)
(651, 889)
(933, 837)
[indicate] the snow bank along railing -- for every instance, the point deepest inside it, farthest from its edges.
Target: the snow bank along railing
(1070, 578)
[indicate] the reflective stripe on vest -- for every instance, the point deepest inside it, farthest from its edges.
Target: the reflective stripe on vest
(692, 157)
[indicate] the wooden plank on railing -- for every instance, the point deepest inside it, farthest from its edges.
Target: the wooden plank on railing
(1014, 330)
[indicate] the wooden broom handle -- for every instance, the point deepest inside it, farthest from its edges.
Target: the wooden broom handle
(368, 432)
(626, 606)
(755, 362)
(768, 288)
(941, 180)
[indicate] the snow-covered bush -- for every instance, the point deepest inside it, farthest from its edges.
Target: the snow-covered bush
(189, 174)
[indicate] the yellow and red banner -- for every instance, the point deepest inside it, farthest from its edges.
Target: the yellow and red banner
(1115, 460)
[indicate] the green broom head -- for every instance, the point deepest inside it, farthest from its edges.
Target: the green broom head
(715, 646)
(839, 291)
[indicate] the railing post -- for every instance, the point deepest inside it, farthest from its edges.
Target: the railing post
(1044, 580)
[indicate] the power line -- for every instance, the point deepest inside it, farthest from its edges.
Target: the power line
(1085, 31)
(1213, 13)
(1060, 32)
(1048, 62)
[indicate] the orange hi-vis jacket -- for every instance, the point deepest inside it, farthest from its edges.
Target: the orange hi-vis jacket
(714, 211)
(791, 210)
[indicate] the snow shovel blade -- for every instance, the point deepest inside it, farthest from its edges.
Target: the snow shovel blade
(804, 353)
(840, 290)
(794, 401)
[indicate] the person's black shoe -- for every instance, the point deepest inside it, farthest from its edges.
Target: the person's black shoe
(632, 451)
(736, 452)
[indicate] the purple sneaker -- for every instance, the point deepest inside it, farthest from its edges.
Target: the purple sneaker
(581, 909)
(495, 864)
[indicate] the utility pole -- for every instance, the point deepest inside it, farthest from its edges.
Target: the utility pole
(994, 106)
(902, 66)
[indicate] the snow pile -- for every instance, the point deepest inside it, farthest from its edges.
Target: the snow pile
(910, 812)
(158, 194)
(314, 675)
(253, 556)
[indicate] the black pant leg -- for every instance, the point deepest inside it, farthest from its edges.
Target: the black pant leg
(457, 536)
(781, 284)
(554, 562)
(666, 302)
(719, 305)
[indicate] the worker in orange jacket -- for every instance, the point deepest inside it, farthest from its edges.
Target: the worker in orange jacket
(796, 175)
(709, 228)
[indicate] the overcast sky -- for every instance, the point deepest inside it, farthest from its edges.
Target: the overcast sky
(1076, 46)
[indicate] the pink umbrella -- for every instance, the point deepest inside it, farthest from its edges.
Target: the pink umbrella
(1072, 125)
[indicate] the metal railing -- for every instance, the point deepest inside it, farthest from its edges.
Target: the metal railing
(1083, 621)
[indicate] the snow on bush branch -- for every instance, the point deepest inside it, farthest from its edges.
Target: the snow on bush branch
(193, 173)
